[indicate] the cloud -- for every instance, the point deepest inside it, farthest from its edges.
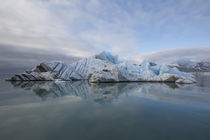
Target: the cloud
(32, 24)
(17, 59)
(77, 28)
(174, 55)
(54, 28)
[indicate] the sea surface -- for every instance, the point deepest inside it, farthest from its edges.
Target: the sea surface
(107, 111)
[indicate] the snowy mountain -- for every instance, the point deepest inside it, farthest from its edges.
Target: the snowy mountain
(104, 67)
(189, 66)
(185, 59)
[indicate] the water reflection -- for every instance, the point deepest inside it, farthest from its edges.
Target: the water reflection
(76, 110)
(105, 92)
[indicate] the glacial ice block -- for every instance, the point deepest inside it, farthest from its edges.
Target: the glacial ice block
(104, 67)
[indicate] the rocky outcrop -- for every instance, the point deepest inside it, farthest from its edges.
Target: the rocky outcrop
(104, 67)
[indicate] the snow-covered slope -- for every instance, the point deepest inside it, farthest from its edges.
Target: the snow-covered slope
(104, 67)
(190, 66)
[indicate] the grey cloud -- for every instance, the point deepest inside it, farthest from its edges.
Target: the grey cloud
(75, 27)
(84, 27)
(16, 59)
(190, 54)
(175, 55)
(35, 24)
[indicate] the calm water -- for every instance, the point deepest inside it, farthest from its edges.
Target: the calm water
(124, 111)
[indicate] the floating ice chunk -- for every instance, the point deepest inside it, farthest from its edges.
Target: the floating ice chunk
(105, 67)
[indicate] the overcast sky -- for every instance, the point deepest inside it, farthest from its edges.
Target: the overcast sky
(62, 29)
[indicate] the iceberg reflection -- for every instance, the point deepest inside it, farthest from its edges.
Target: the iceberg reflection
(100, 92)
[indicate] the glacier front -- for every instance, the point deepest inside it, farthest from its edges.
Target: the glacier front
(104, 67)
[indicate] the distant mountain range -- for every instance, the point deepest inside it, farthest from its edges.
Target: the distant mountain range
(185, 59)
(189, 66)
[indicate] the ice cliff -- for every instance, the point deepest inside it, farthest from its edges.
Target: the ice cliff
(104, 67)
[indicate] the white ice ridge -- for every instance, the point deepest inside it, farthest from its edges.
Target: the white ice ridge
(104, 67)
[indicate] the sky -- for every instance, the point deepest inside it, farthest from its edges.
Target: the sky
(173, 56)
(38, 30)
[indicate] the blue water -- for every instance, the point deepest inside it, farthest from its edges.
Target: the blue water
(108, 111)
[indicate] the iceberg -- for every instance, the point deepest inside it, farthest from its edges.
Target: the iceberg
(104, 67)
